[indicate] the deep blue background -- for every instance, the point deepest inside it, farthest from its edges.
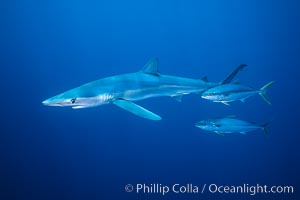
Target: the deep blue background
(47, 47)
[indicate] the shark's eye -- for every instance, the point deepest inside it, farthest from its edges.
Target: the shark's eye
(73, 100)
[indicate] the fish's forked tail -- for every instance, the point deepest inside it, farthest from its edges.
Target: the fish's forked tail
(263, 91)
(265, 127)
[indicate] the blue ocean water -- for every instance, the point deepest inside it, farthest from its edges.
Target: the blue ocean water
(48, 47)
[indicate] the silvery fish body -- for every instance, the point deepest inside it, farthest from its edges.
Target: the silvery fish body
(234, 92)
(229, 125)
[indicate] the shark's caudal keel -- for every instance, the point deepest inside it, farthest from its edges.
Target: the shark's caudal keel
(122, 90)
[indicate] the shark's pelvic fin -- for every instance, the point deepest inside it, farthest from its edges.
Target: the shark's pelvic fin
(136, 109)
(177, 98)
(151, 67)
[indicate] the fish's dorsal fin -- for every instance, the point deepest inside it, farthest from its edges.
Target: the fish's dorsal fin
(151, 67)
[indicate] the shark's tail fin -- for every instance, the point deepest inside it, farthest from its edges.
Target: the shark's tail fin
(265, 127)
(263, 91)
(229, 78)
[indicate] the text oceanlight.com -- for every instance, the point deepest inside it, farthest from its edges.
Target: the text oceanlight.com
(163, 189)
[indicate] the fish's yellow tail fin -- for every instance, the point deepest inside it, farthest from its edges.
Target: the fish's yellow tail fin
(263, 91)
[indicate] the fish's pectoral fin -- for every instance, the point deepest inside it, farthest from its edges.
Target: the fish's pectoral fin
(136, 109)
(225, 103)
(151, 67)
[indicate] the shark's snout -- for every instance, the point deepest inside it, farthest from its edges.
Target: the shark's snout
(45, 102)
(48, 102)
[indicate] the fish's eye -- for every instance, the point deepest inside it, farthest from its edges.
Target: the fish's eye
(73, 100)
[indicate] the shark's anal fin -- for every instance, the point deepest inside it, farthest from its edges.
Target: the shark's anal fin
(136, 109)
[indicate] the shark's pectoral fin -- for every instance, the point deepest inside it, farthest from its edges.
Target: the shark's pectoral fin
(136, 109)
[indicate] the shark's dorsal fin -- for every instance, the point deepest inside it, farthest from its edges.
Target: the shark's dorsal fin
(151, 67)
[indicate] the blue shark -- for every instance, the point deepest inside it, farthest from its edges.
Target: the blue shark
(123, 90)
